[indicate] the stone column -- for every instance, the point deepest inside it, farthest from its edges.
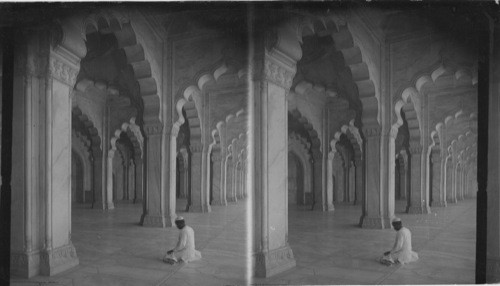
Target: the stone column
(438, 195)
(374, 214)
(131, 181)
(109, 180)
(125, 179)
(454, 182)
(234, 175)
(358, 164)
(59, 253)
(442, 180)
(199, 200)
(25, 179)
(118, 172)
(245, 179)
(341, 181)
(403, 175)
(239, 171)
(461, 182)
(185, 181)
(330, 184)
(216, 179)
(270, 150)
(449, 180)
(98, 201)
(223, 174)
(139, 183)
(352, 189)
(417, 202)
(229, 180)
(156, 212)
(319, 203)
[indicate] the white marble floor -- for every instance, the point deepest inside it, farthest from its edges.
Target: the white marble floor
(329, 248)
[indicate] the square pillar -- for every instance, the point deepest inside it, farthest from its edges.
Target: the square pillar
(438, 196)
(443, 179)
(403, 175)
(98, 201)
(109, 180)
(229, 187)
(239, 180)
(139, 171)
(217, 179)
(449, 180)
(272, 253)
(319, 200)
(157, 212)
(376, 212)
(359, 178)
(199, 198)
(417, 202)
(454, 175)
(352, 183)
(59, 253)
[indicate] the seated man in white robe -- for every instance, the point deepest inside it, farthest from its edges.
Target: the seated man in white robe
(185, 250)
(401, 252)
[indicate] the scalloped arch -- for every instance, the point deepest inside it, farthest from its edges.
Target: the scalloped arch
(289, 38)
(89, 125)
(313, 134)
(133, 133)
(108, 21)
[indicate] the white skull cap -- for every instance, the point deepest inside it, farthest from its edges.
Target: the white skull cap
(396, 219)
(179, 218)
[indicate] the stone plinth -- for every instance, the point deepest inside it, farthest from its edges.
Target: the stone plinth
(57, 260)
(199, 200)
(25, 264)
(273, 262)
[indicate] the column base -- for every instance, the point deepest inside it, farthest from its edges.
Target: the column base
(219, 203)
(323, 208)
(57, 260)
(375, 222)
(274, 261)
(25, 265)
(232, 200)
(439, 204)
(418, 210)
(99, 205)
(492, 270)
(110, 206)
(199, 208)
(156, 221)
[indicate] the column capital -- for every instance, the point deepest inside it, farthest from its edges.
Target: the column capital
(138, 160)
(317, 155)
(97, 154)
(415, 148)
(196, 147)
(372, 131)
(436, 156)
(278, 73)
(153, 129)
(62, 69)
(216, 157)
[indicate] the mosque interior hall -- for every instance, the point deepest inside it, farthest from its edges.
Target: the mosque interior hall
(288, 136)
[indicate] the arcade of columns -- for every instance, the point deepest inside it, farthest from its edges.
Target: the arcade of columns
(161, 117)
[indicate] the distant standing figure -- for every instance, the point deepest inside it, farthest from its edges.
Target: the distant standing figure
(401, 252)
(185, 249)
